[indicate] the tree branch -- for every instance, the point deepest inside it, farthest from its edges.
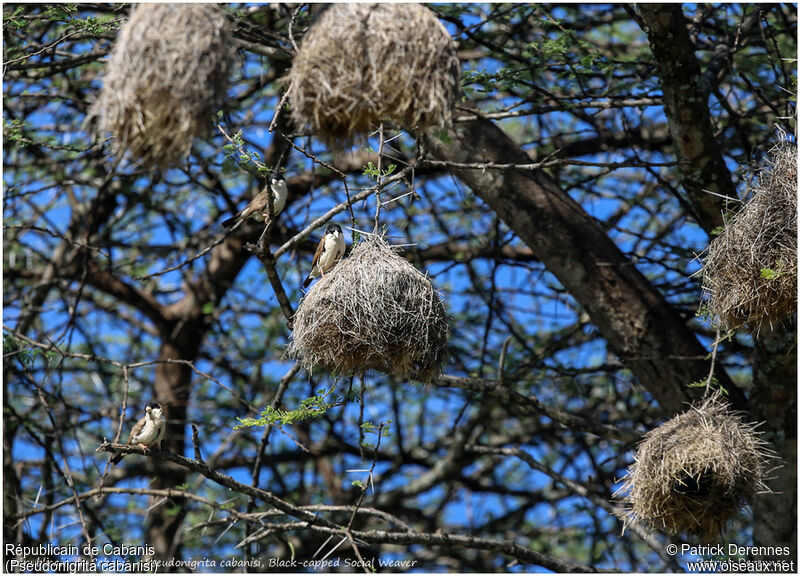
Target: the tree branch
(634, 317)
(321, 524)
(700, 160)
(532, 405)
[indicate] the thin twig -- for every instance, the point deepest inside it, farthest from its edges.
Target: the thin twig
(262, 449)
(501, 365)
(196, 443)
(379, 181)
(268, 260)
(203, 252)
(579, 489)
(363, 493)
(280, 107)
(310, 156)
(292, 20)
(537, 165)
(714, 348)
(531, 404)
(316, 223)
(122, 365)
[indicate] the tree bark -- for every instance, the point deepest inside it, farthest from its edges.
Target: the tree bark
(702, 168)
(774, 402)
(700, 161)
(172, 391)
(182, 334)
(11, 488)
(638, 323)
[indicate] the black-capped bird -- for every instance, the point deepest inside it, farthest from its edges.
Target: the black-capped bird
(258, 207)
(148, 431)
(329, 251)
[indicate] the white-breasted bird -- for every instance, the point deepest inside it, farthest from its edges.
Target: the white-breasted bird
(258, 207)
(148, 431)
(329, 251)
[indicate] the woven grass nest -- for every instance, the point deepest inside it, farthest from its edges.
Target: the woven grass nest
(373, 311)
(361, 64)
(750, 270)
(167, 75)
(693, 473)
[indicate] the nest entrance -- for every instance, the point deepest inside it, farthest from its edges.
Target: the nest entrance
(693, 473)
(373, 311)
(167, 74)
(698, 485)
(750, 270)
(361, 64)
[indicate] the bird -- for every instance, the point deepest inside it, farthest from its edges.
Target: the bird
(148, 431)
(329, 251)
(258, 207)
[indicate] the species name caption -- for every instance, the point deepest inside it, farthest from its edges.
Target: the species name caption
(40, 558)
(339, 562)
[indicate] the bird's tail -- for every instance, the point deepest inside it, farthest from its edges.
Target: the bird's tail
(230, 222)
(116, 459)
(307, 281)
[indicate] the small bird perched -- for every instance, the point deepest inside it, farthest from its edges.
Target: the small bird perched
(258, 207)
(329, 251)
(148, 431)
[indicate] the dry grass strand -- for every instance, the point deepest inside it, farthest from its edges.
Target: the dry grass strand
(693, 473)
(167, 75)
(761, 240)
(361, 64)
(373, 311)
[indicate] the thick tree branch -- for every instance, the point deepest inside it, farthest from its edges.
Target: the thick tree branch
(106, 282)
(634, 317)
(456, 251)
(774, 403)
(700, 160)
(520, 553)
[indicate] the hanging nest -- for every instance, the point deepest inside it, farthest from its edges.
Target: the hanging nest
(361, 64)
(750, 270)
(695, 472)
(166, 77)
(374, 310)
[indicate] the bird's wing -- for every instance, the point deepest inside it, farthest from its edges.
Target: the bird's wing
(137, 429)
(318, 253)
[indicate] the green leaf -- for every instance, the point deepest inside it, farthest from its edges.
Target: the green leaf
(12, 130)
(770, 274)
(715, 385)
(11, 20)
(370, 170)
(312, 407)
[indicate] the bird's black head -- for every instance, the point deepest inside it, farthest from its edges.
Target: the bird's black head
(154, 405)
(333, 228)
